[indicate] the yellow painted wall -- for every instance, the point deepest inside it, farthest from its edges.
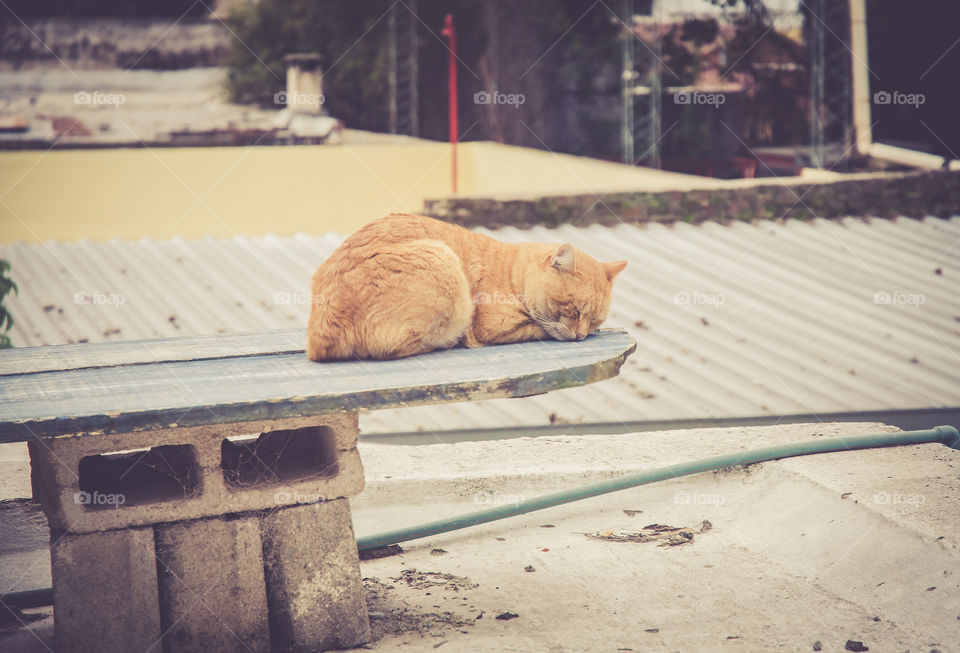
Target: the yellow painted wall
(192, 192)
(162, 193)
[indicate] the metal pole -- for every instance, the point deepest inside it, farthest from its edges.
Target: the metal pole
(626, 83)
(392, 68)
(656, 89)
(818, 15)
(450, 32)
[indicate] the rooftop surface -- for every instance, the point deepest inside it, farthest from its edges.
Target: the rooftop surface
(860, 546)
(732, 321)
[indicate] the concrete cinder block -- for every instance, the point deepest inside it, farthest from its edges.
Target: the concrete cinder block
(211, 586)
(201, 488)
(314, 587)
(105, 592)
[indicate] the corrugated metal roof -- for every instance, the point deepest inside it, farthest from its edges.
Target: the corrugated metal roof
(736, 320)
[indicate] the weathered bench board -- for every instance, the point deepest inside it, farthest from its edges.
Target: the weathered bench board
(160, 384)
(225, 465)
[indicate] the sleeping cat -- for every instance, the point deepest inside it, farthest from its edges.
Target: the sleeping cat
(408, 284)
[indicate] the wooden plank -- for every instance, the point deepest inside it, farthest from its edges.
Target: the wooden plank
(147, 396)
(55, 358)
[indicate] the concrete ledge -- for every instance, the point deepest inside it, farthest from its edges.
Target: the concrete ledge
(889, 195)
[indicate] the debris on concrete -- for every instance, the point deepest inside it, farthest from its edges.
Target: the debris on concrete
(395, 616)
(381, 552)
(428, 579)
(665, 535)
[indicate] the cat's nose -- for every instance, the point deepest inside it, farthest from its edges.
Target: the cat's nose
(581, 336)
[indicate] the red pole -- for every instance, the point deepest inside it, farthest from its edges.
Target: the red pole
(451, 34)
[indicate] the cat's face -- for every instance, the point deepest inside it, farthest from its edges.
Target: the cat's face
(568, 292)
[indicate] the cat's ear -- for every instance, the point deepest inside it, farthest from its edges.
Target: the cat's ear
(613, 269)
(563, 260)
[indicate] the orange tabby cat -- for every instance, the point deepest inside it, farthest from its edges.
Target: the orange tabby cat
(408, 284)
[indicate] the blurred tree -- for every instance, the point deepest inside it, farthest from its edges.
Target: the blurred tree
(349, 34)
(6, 320)
(700, 31)
(528, 49)
(12, 10)
(561, 56)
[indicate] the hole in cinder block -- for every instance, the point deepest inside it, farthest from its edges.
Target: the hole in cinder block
(137, 477)
(279, 457)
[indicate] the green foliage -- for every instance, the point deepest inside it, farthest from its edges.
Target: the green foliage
(349, 34)
(6, 320)
(179, 9)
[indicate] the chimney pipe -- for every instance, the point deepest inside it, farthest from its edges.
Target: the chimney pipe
(304, 84)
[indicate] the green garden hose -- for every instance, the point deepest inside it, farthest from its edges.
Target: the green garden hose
(947, 435)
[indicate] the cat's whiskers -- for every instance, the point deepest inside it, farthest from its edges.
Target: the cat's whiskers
(555, 329)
